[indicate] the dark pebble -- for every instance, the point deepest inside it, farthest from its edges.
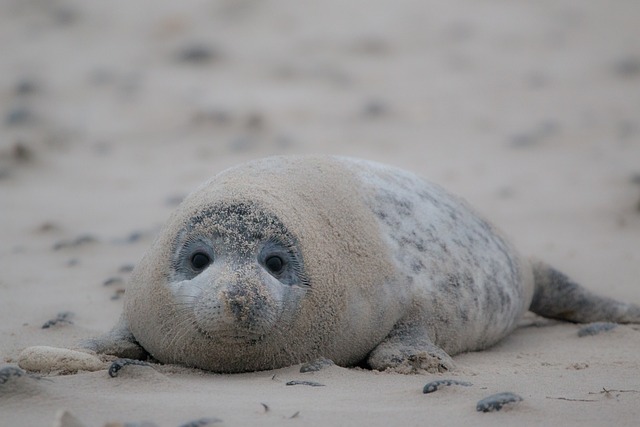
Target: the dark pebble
(19, 116)
(255, 122)
(309, 383)
(596, 328)
(78, 241)
(113, 281)
(62, 318)
(117, 294)
(197, 54)
(202, 422)
(126, 268)
(121, 363)
(435, 385)
(134, 237)
(7, 373)
(21, 152)
(135, 424)
(316, 365)
(375, 109)
(495, 402)
(26, 87)
(627, 67)
(47, 227)
(15, 382)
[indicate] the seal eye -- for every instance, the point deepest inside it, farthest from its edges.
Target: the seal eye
(275, 264)
(200, 260)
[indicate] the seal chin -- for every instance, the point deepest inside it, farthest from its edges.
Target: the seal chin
(231, 335)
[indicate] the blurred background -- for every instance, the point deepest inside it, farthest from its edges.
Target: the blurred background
(112, 111)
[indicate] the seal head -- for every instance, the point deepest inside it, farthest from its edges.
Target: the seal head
(266, 265)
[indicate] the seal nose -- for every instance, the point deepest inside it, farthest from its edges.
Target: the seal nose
(238, 302)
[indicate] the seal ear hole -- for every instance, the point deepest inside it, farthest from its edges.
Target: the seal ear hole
(274, 264)
(200, 260)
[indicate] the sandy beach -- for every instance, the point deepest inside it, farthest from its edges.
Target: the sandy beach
(113, 111)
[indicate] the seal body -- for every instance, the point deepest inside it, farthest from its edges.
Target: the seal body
(287, 259)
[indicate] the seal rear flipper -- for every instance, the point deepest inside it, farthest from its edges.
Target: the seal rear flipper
(558, 297)
(118, 342)
(409, 350)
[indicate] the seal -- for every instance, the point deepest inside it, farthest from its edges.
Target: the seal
(288, 259)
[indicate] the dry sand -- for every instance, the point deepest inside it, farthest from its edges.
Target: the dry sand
(112, 111)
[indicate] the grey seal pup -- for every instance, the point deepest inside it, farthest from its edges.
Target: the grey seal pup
(287, 259)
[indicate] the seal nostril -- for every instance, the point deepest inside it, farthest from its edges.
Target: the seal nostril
(236, 308)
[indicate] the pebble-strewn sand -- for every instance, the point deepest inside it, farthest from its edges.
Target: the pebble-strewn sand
(110, 112)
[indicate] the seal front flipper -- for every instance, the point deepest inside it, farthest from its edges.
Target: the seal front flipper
(558, 297)
(117, 342)
(409, 350)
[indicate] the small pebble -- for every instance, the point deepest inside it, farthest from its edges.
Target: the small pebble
(595, 328)
(118, 364)
(255, 122)
(435, 385)
(19, 116)
(47, 227)
(113, 281)
(78, 241)
(196, 53)
(202, 422)
(309, 383)
(16, 382)
(316, 365)
(495, 402)
(126, 268)
(375, 109)
(627, 67)
(117, 294)
(21, 152)
(132, 424)
(8, 373)
(61, 318)
(26, 87)
(134, 236)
